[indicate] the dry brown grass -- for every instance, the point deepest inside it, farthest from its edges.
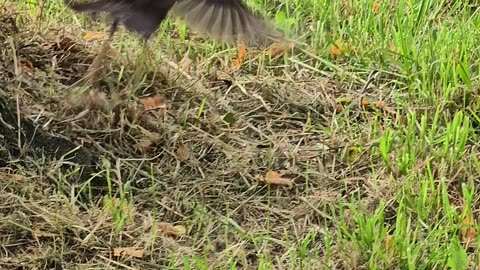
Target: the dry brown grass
(283, 122)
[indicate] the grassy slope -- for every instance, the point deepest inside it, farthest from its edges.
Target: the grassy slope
(391, 187)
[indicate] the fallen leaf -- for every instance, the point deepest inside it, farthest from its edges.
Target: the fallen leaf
(41, 233)
(149, 140)
(388, 245)
(186, 62)
(67, 44)
(275, 178)
(379, 104)
(220, 76)
(155, 102)
(111, 52)
(365, 102)
(338, 108)
(278, 49)
(183, 153)
(336, 50)
(375, 7)
(27, 66)
(145, 144)
(237, 62)
(7, 176)
(340, 48)
(128, 251)
(92, 36)
(467, 230)
(153, 136)
(168, 229)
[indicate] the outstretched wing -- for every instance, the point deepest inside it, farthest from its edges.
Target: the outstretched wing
(226, 20)
(223, 20)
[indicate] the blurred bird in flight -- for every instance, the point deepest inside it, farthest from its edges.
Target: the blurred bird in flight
(224, 20)
(229, 21)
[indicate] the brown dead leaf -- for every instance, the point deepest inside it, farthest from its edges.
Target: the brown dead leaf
(237, 62)
(186, 62)
(128, 251)
(149, 140)
(145, 144)
(338, 108)
(365, 102)
(153, 136)
(275, 178)
(278, 49)
(183, 153)
(26, 66)
(336, 50)
(111, 52)
(7, 176)
(219, 76)
(375, 7)
(92, 36)
(467, 230)
(379, 104)
(153, 103)
(388, 245)
(167, 229)
(38, 232)
(67, 44)
(340, 48)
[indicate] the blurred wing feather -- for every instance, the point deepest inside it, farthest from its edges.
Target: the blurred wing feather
(230, 21)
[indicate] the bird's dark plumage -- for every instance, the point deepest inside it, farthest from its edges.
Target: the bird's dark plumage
(224, 20)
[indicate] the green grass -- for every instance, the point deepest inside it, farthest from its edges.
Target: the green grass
(383, 187)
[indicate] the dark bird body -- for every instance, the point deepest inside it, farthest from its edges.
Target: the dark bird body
(224, 20)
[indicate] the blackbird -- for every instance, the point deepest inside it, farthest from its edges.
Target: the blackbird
(224, 20)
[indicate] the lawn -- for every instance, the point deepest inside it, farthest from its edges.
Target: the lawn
(353, 147)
